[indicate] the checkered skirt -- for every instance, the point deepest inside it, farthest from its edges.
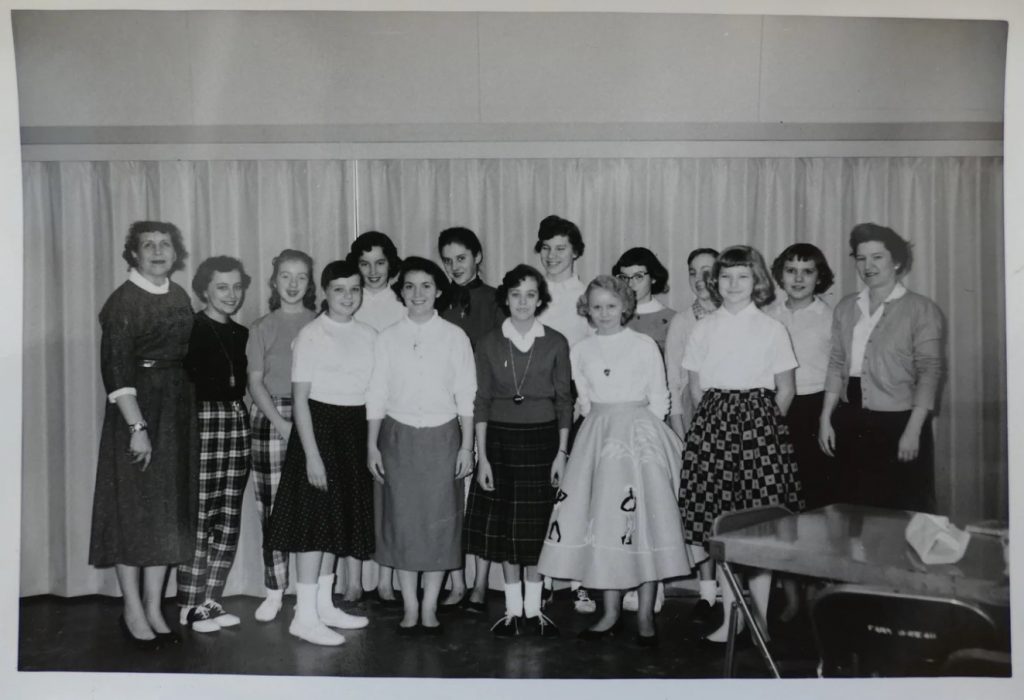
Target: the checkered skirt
(509, 523)
(738, 455)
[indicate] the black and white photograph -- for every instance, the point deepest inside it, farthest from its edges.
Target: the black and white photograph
(456, 348)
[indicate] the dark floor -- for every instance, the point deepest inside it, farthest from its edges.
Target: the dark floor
(82, 634)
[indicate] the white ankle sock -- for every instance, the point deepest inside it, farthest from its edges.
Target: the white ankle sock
(275, 594)
(325, 591)
(513, 599)
(305, 601)
(708, 591)
(531, 601)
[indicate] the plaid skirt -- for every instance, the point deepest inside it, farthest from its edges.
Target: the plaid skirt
(508, 524)
(738, 455)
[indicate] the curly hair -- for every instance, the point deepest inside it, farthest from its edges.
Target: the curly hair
(744, 256)
(645, 258)
(414, 263)
(610, 284)
(899, 248)
(805, 252)
(516, 276)
(135, 231)
(366, 242)
(288, 255)
(218, 263)
(552, 226)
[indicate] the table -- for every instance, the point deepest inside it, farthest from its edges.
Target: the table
(858, 544)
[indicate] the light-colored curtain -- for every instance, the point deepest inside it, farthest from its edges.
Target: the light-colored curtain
(76, 215)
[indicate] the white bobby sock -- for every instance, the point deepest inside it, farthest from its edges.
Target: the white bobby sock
(513, 599)
(305, 601)
(708, 591)
(531, 602)
(324, 592)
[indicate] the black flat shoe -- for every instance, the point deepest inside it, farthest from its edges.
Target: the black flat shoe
(140, 644)
(452, 603)
(167, 638)
(648, 642)
(542, 626)
(435, 631)
(472, 606)
(409, 631)
(594, 635)
(507, 626)
(704, 619)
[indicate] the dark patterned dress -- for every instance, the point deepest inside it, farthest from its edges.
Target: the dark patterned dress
(146, 518)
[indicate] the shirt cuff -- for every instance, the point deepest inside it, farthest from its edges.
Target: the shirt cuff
(123, 391)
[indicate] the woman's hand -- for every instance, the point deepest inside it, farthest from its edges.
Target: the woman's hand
(827, 437)
(909, 445)
(315, 472)
(484, 474)
(464, 463)
(375, 463)
(140, 448)
(558, 469)
(284, 429)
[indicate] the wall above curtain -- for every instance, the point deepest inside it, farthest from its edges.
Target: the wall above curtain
(77, 213)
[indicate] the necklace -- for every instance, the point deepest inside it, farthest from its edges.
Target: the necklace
(223, 349)
(519, 398)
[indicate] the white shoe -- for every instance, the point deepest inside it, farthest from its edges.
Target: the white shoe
(220, 616)
(315, 632)
(199, 619)
(659, 598)
(333, 617)
(268, 609)
(631, 601)
(583, 603)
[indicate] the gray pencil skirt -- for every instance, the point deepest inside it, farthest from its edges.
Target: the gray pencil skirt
(418, 510)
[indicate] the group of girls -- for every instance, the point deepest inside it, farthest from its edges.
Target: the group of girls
(367, 418)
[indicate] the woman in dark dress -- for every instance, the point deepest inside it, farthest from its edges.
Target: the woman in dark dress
(144, 506)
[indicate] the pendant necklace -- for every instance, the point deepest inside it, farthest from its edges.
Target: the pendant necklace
(519, 398)
(227, 355)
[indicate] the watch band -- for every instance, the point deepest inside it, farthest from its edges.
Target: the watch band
(137, 427)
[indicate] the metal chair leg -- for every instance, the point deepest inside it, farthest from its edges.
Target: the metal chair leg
(730, 647)
(755, 629)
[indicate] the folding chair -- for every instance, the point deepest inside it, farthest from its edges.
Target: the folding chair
(862, 631)
(727, 522)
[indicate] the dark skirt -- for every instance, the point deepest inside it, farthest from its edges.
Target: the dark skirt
(148, 518)
(509, 523)
(340, 520)
(419, 507)
(867, 447)
(737, 456)
(819, 473)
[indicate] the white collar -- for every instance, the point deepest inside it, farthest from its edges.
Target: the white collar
(650, 306)
(817, 305)
(429, 322)
(377, 293)
(750, 308)
(572, 282)
(523, 342)
(862, 299)
(136, 278)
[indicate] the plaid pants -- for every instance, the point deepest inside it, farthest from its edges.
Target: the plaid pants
(268, 450)
(224, 458)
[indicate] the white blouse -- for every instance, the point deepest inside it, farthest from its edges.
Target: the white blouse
(624, 366)
(424, 375)
(738, 351)
(561, 312)
(336, 359)
(810, 330)
(380, 309)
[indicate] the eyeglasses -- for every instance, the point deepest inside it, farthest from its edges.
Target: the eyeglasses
(636, 277)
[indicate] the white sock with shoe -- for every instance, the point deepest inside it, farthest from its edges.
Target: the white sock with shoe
(514, 599)
(330, 615)
(270, 606)
(708, 591)
(531, 601)
(306, 623)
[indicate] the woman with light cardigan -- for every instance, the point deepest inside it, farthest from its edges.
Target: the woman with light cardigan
(883, 378)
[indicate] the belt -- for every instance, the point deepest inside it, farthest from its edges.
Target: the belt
(147, 363)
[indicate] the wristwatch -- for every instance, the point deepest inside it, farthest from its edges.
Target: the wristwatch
(136, 427)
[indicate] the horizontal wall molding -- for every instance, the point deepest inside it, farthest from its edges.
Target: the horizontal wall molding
(525, 149)
(507, 133)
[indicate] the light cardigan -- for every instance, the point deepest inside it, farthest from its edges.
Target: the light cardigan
(903, 358)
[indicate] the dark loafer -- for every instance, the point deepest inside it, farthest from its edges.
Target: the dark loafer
(408, 631)
(507, 626)
(435, 631)
(542, 626)
(474, 607)
(595, 635)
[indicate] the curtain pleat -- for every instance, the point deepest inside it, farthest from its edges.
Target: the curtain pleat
(77, 213)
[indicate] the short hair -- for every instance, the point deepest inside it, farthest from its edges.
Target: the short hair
(135, 231)
(744, 256)
(610, 284)
(289, 255)
(461, 235)
(218, 263)
(899, 249)
(366, 242)
(644, 257)
(700, 251)
(516, 276)
(552, 226)
(339, 269)
(414, 263)
(805, 251)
